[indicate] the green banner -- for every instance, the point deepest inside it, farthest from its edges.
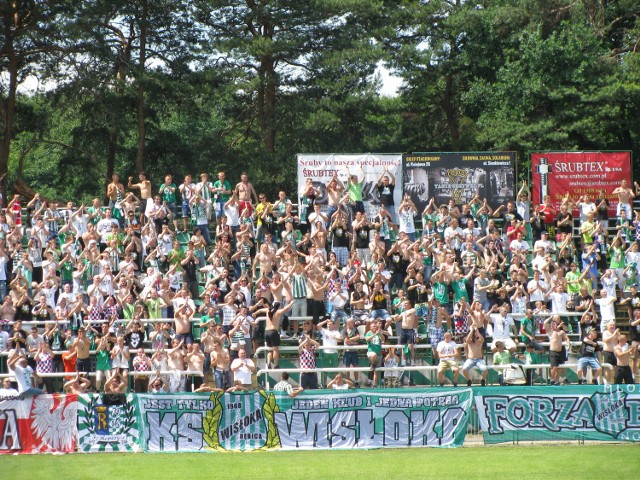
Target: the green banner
(267, 420)
(603, 413)
(107, 426)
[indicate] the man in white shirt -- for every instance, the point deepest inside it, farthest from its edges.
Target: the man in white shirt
(329, 354)
(519, 245)
(24, 373)
(503, 328)
(607, 309)
(242, 368)
(559, 299)
(447, 352)
(454, 233)
(537, 289)
(543, 246)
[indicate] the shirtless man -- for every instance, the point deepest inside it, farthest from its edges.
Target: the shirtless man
(557, 337)
(473, 345)
(623, 351)
(183, 317)
(220, 362)
(406, 335)
(115, 191)
(145, 191)
(610, 339)
(625, 196)
(77, 385)
(272, 330)
(319, 239)
(195, 363)
(377, 245)
(81, 345)
(116, 384)
(335, 189)
(266, 260)
(245, 192)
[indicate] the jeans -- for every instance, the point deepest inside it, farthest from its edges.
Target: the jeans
(222, 378)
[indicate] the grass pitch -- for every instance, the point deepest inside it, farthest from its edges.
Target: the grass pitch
(566, 462)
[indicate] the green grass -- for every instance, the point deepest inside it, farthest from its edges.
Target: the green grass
(566, 462)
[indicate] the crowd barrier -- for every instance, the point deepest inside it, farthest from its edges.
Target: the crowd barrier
(347, 419)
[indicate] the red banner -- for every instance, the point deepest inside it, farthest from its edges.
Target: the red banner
(42, 424)
(579, 173)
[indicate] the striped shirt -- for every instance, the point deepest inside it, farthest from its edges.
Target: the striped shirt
(299, 285)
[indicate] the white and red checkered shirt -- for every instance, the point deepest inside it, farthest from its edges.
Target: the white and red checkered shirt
(308, 357)
(44, 363)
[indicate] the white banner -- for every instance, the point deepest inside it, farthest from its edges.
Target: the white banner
(320, 168)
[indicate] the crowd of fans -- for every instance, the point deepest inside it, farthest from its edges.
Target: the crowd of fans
(194, 278)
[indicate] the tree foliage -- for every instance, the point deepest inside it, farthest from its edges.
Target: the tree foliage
(185, 86)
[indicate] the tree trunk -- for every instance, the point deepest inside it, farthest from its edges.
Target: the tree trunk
(8, 108)
(266, 98)
(140, 100)
(448, 105)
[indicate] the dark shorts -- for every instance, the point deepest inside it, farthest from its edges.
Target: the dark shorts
(172, 208)
(187, 337)
(609, 357)
(83, 365)
(556, 358)
(406, 337)
(350, 359)
(309, 381)
(272, 338)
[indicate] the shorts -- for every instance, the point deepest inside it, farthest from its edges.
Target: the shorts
(588, 362)
(218, 207)
(83, 365)
(186, 210)
(272, 338)
(172, 208)
(447, 365)
(378, 361)
(350, 359)
(380, 313)
(556, 358)
(406, 337)
(245, 204)
(309, 380)
(609, 357)
(478, 363)
(187, 337)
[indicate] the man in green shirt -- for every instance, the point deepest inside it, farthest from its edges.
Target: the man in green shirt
(440, 282)
(354, 187)
(528, 331)
(459, 285)
(374, 339)
(168, 194)
(222, 193)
